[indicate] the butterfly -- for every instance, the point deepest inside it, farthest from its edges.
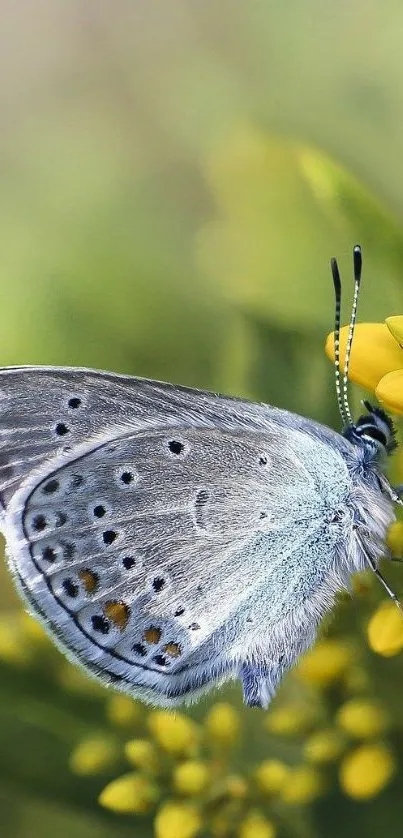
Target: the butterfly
(171, 539)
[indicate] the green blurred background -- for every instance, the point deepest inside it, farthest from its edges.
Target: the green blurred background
(174, 179)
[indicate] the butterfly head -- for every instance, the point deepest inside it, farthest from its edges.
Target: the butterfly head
(374, 431)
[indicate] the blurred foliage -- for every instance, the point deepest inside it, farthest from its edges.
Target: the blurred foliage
(175, 178)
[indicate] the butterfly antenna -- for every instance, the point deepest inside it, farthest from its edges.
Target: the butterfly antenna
(357, 263)
(337, 315)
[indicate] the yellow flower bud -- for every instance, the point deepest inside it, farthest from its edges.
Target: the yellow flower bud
(123, 711)
(142, 754)
(236, 786)
(130, 793)
(325, 663)
(304, 785)
(255, 825)
(389, 390)
(177, 820)
(271, 776)
(93, 755)
(288, 720)
(395, 538)
(323, 746)
(191, 777)
(175, 733)
(222, 723)
(361, 718)
(366, 771)
(385, 630)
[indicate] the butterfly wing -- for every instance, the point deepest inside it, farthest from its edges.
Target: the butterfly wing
(44, 410)
(152, 535)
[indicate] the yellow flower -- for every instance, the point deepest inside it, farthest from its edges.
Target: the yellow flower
(376, 359)
(271, 776)
(177, 820)
(191, 777)
(255, 825)
(323, 746)
(361, 718)
(93, 755)
(142, 754)
(130, 793)
(123, 711)
(385, 630)
(222, 723)
(325, 663)
(289, 720)
(174, 733)
(304, 785)
(366, 771)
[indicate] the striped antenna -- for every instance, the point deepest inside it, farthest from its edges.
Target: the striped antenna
(357, 262)
(337, 314)
(342, 387)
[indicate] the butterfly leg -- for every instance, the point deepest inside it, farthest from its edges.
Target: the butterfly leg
(259, 683)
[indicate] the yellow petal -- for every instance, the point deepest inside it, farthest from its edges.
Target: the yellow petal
(374, 353)
(385, 630)
(395, 326)
(366, 771)
(389, 390)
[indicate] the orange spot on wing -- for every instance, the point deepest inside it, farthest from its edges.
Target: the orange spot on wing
(152, 635)
(117, 613)
(89, 580)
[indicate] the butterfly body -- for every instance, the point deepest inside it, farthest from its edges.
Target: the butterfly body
(171, 539)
